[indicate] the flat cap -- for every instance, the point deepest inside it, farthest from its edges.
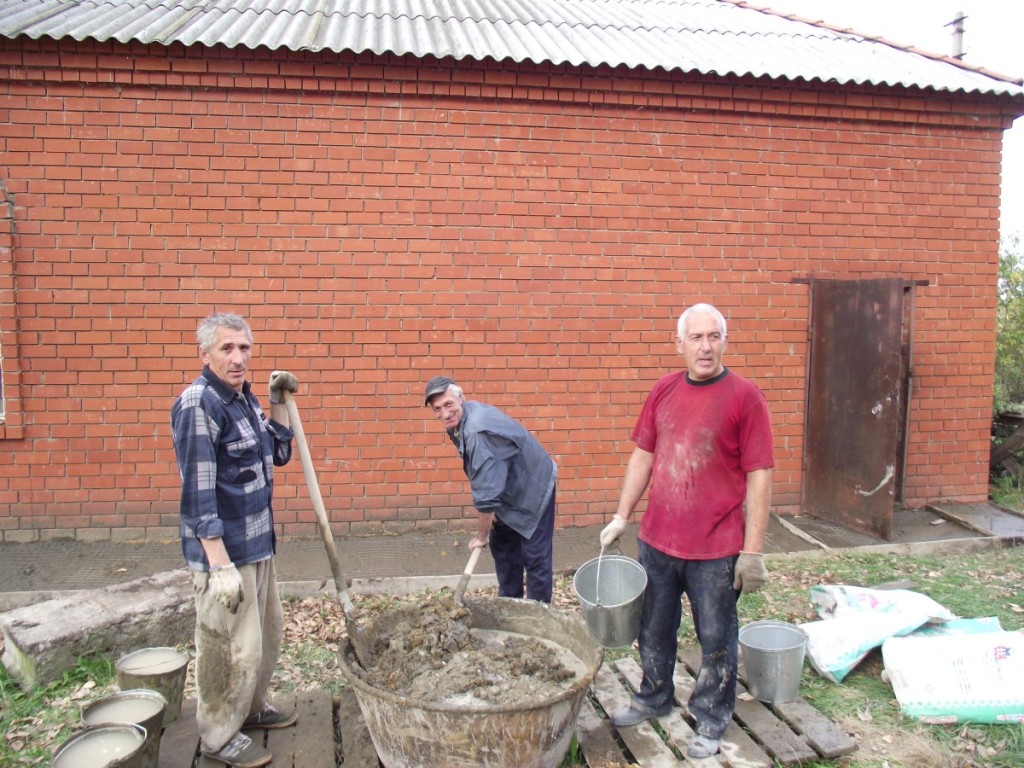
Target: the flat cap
(436, 386)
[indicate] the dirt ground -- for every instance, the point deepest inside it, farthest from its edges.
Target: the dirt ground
(430, 653)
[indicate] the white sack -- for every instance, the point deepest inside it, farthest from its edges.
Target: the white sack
(976, 678)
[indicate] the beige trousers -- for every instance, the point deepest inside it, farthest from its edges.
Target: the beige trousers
(235, 654)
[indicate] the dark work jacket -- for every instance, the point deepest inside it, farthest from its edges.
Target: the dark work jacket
(509, 472)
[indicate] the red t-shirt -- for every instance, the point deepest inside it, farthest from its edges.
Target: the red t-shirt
(705, 437)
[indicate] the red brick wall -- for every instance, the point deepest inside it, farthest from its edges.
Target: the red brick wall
(533, 230)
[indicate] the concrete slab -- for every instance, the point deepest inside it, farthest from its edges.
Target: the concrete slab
(910, 526)
(43, 640)
(986, 519)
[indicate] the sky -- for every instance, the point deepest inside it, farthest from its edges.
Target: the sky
(991, 39)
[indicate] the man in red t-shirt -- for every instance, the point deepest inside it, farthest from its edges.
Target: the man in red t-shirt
(704, 446)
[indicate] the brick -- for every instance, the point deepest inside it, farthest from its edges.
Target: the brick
(535, 245)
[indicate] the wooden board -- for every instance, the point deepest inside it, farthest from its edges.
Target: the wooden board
(737, 747)
(777, 738)
(309, 744)
(597, 740)
(646, 745)
(356, 744)
(759, 736)
(827, 739)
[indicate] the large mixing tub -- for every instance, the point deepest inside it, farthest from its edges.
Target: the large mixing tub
(411, 733)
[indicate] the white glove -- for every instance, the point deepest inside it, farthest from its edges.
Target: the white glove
(611, 532)
(751, 573)
(225, 587)
(279, 382)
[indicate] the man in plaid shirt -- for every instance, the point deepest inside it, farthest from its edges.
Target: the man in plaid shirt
(227, 449)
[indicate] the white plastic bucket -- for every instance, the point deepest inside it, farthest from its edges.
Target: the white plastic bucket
(773, 654)
(613, 616)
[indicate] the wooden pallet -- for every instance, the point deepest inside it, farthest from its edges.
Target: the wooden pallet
(789, 733)
(310, 744)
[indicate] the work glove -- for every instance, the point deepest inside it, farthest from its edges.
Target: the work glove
(751, 574)
(611, 532)
(226, 587)
(279, 382)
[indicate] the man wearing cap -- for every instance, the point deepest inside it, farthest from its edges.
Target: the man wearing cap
(513, 483)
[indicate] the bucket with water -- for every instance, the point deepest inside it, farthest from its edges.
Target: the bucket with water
(611, 589)
(773, 654)
(158, 669)
(113, 745)
(140, 706)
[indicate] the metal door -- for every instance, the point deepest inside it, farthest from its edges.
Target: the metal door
(853, 403)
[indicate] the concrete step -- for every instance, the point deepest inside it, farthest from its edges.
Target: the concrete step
(987, 518)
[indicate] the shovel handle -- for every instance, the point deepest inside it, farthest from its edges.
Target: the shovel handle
(460, 590)
(318, 503)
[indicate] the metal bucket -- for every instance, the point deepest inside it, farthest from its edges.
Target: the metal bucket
(140, 706)
(773, 654)
(159, 669)
(613, 616)
(412, 733)
(114, 745)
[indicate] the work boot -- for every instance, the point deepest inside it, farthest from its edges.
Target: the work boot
(240, 752)
(270, 716)
(637, 713)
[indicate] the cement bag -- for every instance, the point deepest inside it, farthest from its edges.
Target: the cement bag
(960, 627)
(969, 678)
(857, 619)
(836, 646)
(835, 601)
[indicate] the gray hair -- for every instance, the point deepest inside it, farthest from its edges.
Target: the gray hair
(207, 331)
(456, 390)
(700, 309)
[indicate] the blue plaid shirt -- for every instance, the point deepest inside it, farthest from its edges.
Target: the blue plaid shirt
(226, 449)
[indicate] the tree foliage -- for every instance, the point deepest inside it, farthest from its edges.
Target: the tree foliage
(1009, 384)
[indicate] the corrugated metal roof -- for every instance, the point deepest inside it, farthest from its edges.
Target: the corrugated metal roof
(723, 37)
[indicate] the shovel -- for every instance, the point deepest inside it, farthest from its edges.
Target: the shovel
(460, 590)
(363, 653)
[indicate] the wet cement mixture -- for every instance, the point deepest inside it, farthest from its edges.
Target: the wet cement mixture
(431, 653)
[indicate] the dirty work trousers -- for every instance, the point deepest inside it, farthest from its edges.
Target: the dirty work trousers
(516, 556)
(235, 654)
(708, 585)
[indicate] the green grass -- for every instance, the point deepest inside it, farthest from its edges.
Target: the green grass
(33, 722)
(1008, 492)
(971, 585)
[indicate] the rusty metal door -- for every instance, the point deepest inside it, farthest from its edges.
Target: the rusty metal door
(853, 403)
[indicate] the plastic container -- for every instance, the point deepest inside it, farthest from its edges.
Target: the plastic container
(140, 706)
(613, 616)
(773, 654)
(159, 669)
